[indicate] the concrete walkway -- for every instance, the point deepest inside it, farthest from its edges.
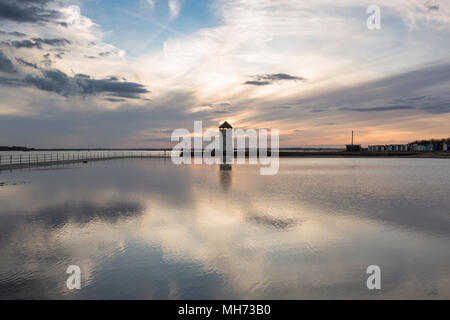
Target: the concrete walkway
(60, 162)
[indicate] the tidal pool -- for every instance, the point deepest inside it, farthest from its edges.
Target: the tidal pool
(148, 229)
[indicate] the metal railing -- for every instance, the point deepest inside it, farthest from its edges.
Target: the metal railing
(33, 158)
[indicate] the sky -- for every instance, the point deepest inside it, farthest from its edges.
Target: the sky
(112, 73)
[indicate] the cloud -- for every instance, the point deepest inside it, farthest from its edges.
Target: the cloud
(58, 82)
(11, 82)
(280, 44)
(281, 107)
(52, 42)
(59, 215)
(26, 63)
(267, 79)
(37, 43)
(5, 64)
(47, 61)
(151, 4)
(376, 109)
(115, 99)
(424, 88)
(278, 77)
(22, 44)
(258, 83)
(396, 107)
(120, 89)
(55, 80)
(432, 6)
(438, 104)
(272, 222)
(14, 33)
(33, 11)
(220, 111)
(174, 8)
(58, 122)
(435, 105)
(222, 104)
(216, 105)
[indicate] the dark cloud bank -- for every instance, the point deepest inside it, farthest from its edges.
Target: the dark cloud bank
(27, 11)
(47, 78)
(57, 81)
(53, 80)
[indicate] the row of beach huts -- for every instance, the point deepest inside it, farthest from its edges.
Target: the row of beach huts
(425, 145)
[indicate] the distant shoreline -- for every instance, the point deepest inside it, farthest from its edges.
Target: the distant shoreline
(283, 152)
(365, 154)
(357, 154)
(326, 154)
(5, 148)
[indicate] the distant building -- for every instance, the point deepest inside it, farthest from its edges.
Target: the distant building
(375, 148)
(353, 147)
(417, 147)
(421, 146)
(397, 147)
(389, 147)
(430, 145)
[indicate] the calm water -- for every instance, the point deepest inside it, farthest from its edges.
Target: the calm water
(152, 230)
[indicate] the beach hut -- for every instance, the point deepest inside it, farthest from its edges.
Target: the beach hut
(376, 148)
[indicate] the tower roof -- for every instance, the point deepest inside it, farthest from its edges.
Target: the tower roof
(225, 125)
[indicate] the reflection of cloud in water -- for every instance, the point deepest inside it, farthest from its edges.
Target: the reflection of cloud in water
(11, 183)
(208, 246)
(84, 212)
(271, 222)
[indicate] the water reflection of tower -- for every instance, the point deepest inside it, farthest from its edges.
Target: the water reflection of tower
(225, 134)
(225, 176)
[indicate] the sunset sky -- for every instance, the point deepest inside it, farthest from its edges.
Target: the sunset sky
(110, 73)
